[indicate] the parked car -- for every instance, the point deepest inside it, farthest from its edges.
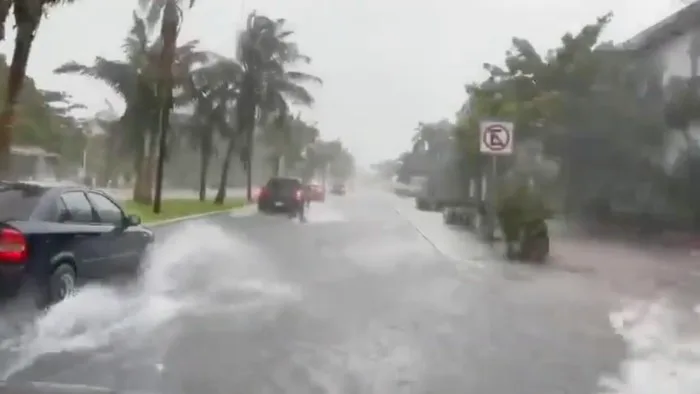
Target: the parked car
(281, 194)
(56, 237)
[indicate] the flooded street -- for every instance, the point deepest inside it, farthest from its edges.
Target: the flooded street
(369, 296)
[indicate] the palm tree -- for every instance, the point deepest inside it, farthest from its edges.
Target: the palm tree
(132, 80)
(319, 157)
(431, 138)
(232, 133)
(265, 53)
(169, 13)
(287, 141)
(342, 167)
(135, 80)
(27, 17)
(213, 91)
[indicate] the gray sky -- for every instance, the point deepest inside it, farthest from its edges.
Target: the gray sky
(386, 64)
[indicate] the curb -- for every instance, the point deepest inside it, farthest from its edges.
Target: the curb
(489, 254)
(191, 217)
(400, 212)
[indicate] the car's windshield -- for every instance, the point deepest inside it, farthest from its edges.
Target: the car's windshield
(351, 196)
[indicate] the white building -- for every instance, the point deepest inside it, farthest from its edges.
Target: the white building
(671, 46)
(34, 163)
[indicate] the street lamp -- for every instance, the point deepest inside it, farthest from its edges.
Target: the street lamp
(90, 129)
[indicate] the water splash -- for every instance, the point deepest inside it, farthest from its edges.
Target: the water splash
(197, 269)
(663, 350)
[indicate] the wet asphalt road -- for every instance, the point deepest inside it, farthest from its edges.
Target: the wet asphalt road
(383, 299)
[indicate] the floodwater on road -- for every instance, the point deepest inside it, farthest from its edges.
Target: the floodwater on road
(196, 270)
(663, 349)
(654, 300)
(368, 296)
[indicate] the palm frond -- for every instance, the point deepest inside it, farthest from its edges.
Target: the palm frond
(54, 96)
(136, 43)
(300, 77)
(154, 10)
(298, 94)
(120, 76)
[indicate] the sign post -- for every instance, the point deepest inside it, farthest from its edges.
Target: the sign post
(496, 139)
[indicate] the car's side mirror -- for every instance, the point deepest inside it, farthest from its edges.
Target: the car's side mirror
(132, 220)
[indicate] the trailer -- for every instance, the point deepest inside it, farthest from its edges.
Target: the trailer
(449, 189)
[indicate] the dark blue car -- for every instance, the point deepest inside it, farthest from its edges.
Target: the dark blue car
(53, 238)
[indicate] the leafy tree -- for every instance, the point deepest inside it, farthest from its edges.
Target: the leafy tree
(342, 167)
(267, 85)
(319, 157)
(552, 99)
(27, 17)
(432, 138)
(287, 141)
(213, 91)
(136, 81)
(169, 14)
(43, 119)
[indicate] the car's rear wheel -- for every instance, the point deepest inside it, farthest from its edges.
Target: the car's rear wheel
(61, 284)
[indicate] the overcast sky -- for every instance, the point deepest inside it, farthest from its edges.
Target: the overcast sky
(386, 64)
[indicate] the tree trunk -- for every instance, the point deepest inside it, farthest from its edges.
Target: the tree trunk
(324, 175)
(276, 165)
(249, 165)
(143, 187)
(138, 164)
(249, 178)
(205, 158)
(171, 20)
(221, 193)
(246, 107)
(160, 158)
(27, 17)
(144, 181)
(109, 164)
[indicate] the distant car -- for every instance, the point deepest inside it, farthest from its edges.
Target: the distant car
(338, 189)
(55, 237)
(316, 192)
(281, 194)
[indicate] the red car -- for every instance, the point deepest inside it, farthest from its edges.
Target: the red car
(316, 193)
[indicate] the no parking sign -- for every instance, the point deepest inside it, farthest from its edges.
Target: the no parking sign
(496, 137)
